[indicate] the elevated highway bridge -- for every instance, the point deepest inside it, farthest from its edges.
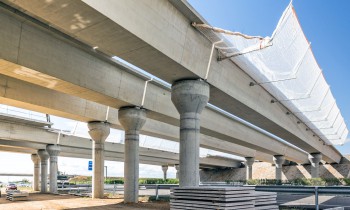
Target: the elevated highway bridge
(57, 57)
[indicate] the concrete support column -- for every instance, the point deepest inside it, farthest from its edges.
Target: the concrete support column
(44, 156)
(315, 159)
(249, 161)
(165, 169)
(99, 132)
(189, 97)
(132, 119)
(53, 151)
(177, 167)
(36, 179)
(278, 160)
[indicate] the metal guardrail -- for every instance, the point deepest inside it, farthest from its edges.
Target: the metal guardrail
(157, 187)
(339, 190)
(316, 190)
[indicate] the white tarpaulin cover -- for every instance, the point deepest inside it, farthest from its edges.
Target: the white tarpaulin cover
(285, 66)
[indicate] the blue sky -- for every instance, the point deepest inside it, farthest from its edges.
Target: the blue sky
(325, 23)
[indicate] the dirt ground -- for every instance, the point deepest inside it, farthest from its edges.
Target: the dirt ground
(48, 201)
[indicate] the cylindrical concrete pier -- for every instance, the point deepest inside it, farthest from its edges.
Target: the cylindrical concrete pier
(44, 156)
(315, 159)
(278, 160)
(249, 167)
(132, 119)
(177, 167)
(99, 132)
(53, 151)
(36, 178)
(165, 169)
(189, 97)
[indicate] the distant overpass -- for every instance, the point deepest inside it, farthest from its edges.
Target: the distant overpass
(15, 174)
(28, 139)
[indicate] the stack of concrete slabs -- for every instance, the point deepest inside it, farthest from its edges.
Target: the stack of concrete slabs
(266, 200)
(209, 197)
(17, 196)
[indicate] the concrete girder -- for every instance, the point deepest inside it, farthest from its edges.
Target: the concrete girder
(25, 95)
(18, 150)
(36, 136)
(210, 161)
(157, 99)
(119, 158)
(177, 48)
(166, 158)
(25, 137)
(113, 156)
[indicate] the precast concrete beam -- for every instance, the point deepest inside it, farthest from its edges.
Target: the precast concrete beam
(113, 157)
(44, 156)
(18, 150)
(315, 159)
(21, 136)
(73, 152)
(36, 162)
(249, 167)
(279, 160)
(149, 161)
(99, 132)
(132, 119)
(54, 151)
(189, 97)
(225, 162)
(178, 48)
(71, 64)
(28, 96)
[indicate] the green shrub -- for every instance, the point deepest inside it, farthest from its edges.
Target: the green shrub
(157, 181)
(333, 181)
(114, 181)
(253, 182)
(346, 181)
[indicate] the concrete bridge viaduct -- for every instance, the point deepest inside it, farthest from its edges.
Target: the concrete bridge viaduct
(50, 49)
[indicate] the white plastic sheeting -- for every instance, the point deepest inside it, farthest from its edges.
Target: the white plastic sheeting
(285, 66)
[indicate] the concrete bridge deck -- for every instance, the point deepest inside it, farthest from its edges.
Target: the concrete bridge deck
(157, 98)
(164, 34)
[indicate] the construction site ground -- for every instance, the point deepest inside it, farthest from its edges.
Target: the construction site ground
(49, 201)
